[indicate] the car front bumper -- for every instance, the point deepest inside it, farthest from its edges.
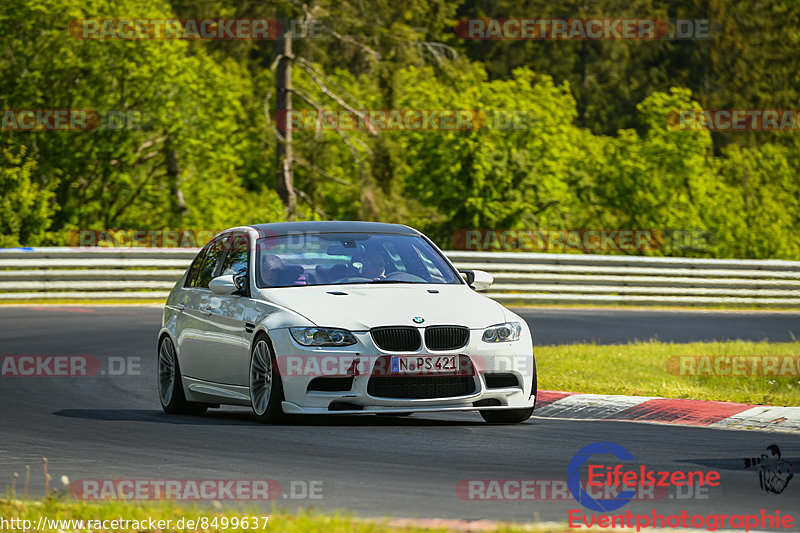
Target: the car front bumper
(354, 366)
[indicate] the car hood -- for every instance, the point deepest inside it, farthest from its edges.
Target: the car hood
(362, 307)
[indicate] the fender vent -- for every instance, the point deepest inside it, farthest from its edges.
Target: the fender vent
(331, 384)
(500, 381)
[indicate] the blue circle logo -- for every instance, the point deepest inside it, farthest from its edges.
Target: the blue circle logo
(574, 477)
(418, 320)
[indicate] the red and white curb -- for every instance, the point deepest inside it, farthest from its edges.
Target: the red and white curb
(724, 415)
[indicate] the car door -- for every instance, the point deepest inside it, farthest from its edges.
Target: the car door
(198, 334)
(187, 324)
(227, 357)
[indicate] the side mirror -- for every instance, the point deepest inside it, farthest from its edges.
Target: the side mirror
(223, 285)
(477, 279)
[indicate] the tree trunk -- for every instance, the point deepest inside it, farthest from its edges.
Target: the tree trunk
(178, 204)
(283, 86)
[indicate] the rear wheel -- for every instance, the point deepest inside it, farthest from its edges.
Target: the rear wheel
(266, 387)
(170, 384)
(512, 416)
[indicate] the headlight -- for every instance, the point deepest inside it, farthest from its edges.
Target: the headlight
(322, 336)
(510, 331)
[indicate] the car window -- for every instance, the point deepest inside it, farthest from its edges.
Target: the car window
(395, 260)
(211, 261)
(236, 260)
(433, 271)
(348, 258)
(192, 275)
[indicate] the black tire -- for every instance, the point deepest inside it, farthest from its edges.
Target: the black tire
(272, 412)
(173, 400)
(513, 416)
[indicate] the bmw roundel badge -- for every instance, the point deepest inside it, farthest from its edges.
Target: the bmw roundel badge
(418, 320)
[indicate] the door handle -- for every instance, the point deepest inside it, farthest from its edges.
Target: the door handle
(206, 310)
(180, 307)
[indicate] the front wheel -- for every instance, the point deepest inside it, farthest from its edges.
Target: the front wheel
(266, 388)
(170, 384)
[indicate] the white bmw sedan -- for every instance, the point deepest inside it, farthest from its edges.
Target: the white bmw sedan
(339, 318)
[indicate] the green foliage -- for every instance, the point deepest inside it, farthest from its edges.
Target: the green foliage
(186, 107)
(25, 207)
(496, 176)
(757, 210)
(591, 148)
(655, 180)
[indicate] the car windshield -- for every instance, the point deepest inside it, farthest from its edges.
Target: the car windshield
(349, 258)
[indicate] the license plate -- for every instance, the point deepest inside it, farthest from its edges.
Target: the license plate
(425, 364)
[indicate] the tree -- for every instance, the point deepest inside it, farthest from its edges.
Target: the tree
(26, 208)
(180, 164)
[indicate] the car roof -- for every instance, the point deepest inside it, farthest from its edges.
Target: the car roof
(332, 226)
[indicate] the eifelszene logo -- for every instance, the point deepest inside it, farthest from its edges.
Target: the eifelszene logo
(574, 477)
(612, 479)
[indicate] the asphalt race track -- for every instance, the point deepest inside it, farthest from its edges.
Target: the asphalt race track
(106, 427)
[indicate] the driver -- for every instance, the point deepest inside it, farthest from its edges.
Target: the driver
(271, 268)
(374, 265)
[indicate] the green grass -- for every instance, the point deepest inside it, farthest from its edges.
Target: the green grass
(303, 521)
(640, 369)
